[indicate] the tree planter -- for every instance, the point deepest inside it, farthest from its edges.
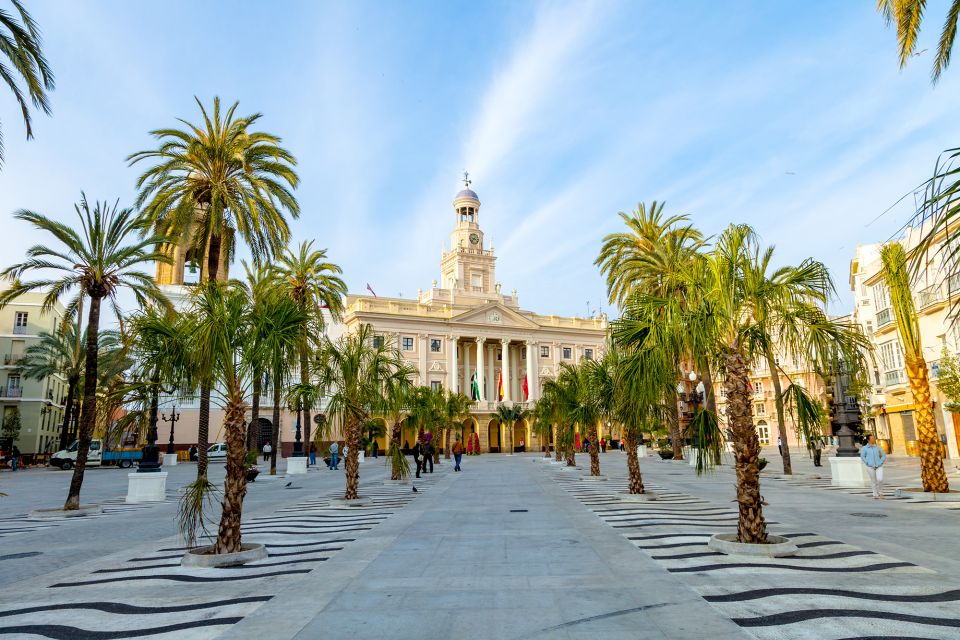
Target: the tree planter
(593, 478)
(50, 514)
(646, 496)
(394, 483)
(917, 492)
(665, 455)
(252, 474)
(776, 547)
(362, 501)
(204, 556)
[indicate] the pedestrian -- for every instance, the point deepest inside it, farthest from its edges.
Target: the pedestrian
(267, 450)
(334, 450)
(780, 445)
(874, 457)
(376, 449)
(817, 450)
(428, 456)
(313, 453)
(623, 445)
(14, 458)
(603, 445)
(457, 453)
(522, 447)
(193, 453)
(418, 455)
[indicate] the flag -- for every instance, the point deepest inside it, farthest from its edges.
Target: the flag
(526, 389)
(370, 289)
(474, 387)
(500, 387)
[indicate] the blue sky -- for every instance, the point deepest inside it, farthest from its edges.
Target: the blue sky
(792, 118)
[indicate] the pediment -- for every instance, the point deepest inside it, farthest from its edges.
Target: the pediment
(494, 314)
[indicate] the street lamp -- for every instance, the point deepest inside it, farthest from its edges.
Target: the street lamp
(174, 416)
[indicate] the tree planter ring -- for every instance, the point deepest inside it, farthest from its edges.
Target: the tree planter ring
(394, 483)
(776, 547)
(50, 514)
(343, 503)
(646, 496)
(204, 556)
(917, 492)
(593, 478)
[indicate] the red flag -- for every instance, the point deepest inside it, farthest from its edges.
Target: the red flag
(526, 389)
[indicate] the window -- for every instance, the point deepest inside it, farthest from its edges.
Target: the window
(723, 393)
(763, 433)
(407, 343)
(567, 353)
(881, 296)
(435, 345)
(890, 356)
(760, 409)
(20, 322)
(588, 354)
(377, 342)
(523, 353)
(435, 385)
(544, 352)
(476, 280)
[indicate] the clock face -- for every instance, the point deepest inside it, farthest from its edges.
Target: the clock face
(474, 238)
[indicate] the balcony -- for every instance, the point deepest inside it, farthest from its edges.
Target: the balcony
(10, 359)
(19, 330)
(891, 378)
(884, 318)
(929, 297)
(11, 392)
(953, 284)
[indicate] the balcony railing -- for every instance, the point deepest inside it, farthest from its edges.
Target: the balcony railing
(953, 284)
(895, 377)
(929, 296)
(12, 359)
(884, 318)
(11, 392)
(19, 330)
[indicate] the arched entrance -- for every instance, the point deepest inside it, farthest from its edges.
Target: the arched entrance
(521, 436)
(379, 434)
(264, 432)
(493, 433)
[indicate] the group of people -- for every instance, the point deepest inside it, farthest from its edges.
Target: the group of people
(584, 447)
(12, 456)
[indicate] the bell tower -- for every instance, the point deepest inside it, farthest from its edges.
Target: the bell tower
(468, 266)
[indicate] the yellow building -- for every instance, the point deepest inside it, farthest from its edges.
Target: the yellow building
(40, 403)
(934, 289)
(464, 327)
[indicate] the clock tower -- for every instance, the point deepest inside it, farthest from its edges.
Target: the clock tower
(469, 266)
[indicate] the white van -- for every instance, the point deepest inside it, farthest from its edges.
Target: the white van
(217, 451)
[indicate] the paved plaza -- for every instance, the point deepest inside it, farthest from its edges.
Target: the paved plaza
(513, 547)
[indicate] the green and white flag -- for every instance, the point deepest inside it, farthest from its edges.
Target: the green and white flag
(474, 387)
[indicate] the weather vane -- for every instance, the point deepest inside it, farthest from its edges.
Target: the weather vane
(466, 179)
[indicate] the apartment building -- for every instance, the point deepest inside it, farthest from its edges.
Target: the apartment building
(40, 403)
(890, 410)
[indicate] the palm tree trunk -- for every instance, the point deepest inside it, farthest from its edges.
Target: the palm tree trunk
(203, 430)
(275, 434)
(751, 526)
(254, 426)
(203, 419)
(594, 451)
(633, 463)
(235, 482)
(571, 454)
(352, 466)
(89, 411)
(676, 438)
(709, 397)
(556, 443)
(304, 381)
(511, 437)
(395, 435)
(781, 416)
(932, 474)
(68, 412)
(446, 441)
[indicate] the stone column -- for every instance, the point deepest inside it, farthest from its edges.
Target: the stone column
(491, 374)
(505, 368)
(423, 358)
(466, 370)
(480, 369)
(452, 363)
(531, 371)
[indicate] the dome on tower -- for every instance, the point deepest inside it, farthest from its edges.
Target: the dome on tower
(467, 194)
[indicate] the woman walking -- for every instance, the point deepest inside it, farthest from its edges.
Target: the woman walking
(874, 457)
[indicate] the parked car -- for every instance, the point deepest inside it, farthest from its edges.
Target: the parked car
(97, 456)
(217, 451)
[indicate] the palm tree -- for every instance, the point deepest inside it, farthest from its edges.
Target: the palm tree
(355, 371)
(315, 285)
(210, 183)
(508, 415)
(543, 424)
(58, 353)
(260, 282)
(562, 396)
(99, 259)
(22, 45)
(907, 15)
(894, 261)
(395, 404)
(455, 407)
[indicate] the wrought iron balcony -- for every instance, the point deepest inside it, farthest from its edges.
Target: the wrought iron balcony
(12, 359)
(10, 392)
(19, 330)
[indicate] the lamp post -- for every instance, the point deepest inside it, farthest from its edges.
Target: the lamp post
(174, 416)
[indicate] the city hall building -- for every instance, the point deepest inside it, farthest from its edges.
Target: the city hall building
(465, 334)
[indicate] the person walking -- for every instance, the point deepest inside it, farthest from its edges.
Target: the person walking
(817, 450)
(780, 446)
(267, 450)
(874, 457)
(522, 447)
(428, 456)
(193, 453)
(313, 453)
(603, 445)
(334, 450)
(418, 455)
(376, 448)
(623, 445)
(14, 458)
(457, 449)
